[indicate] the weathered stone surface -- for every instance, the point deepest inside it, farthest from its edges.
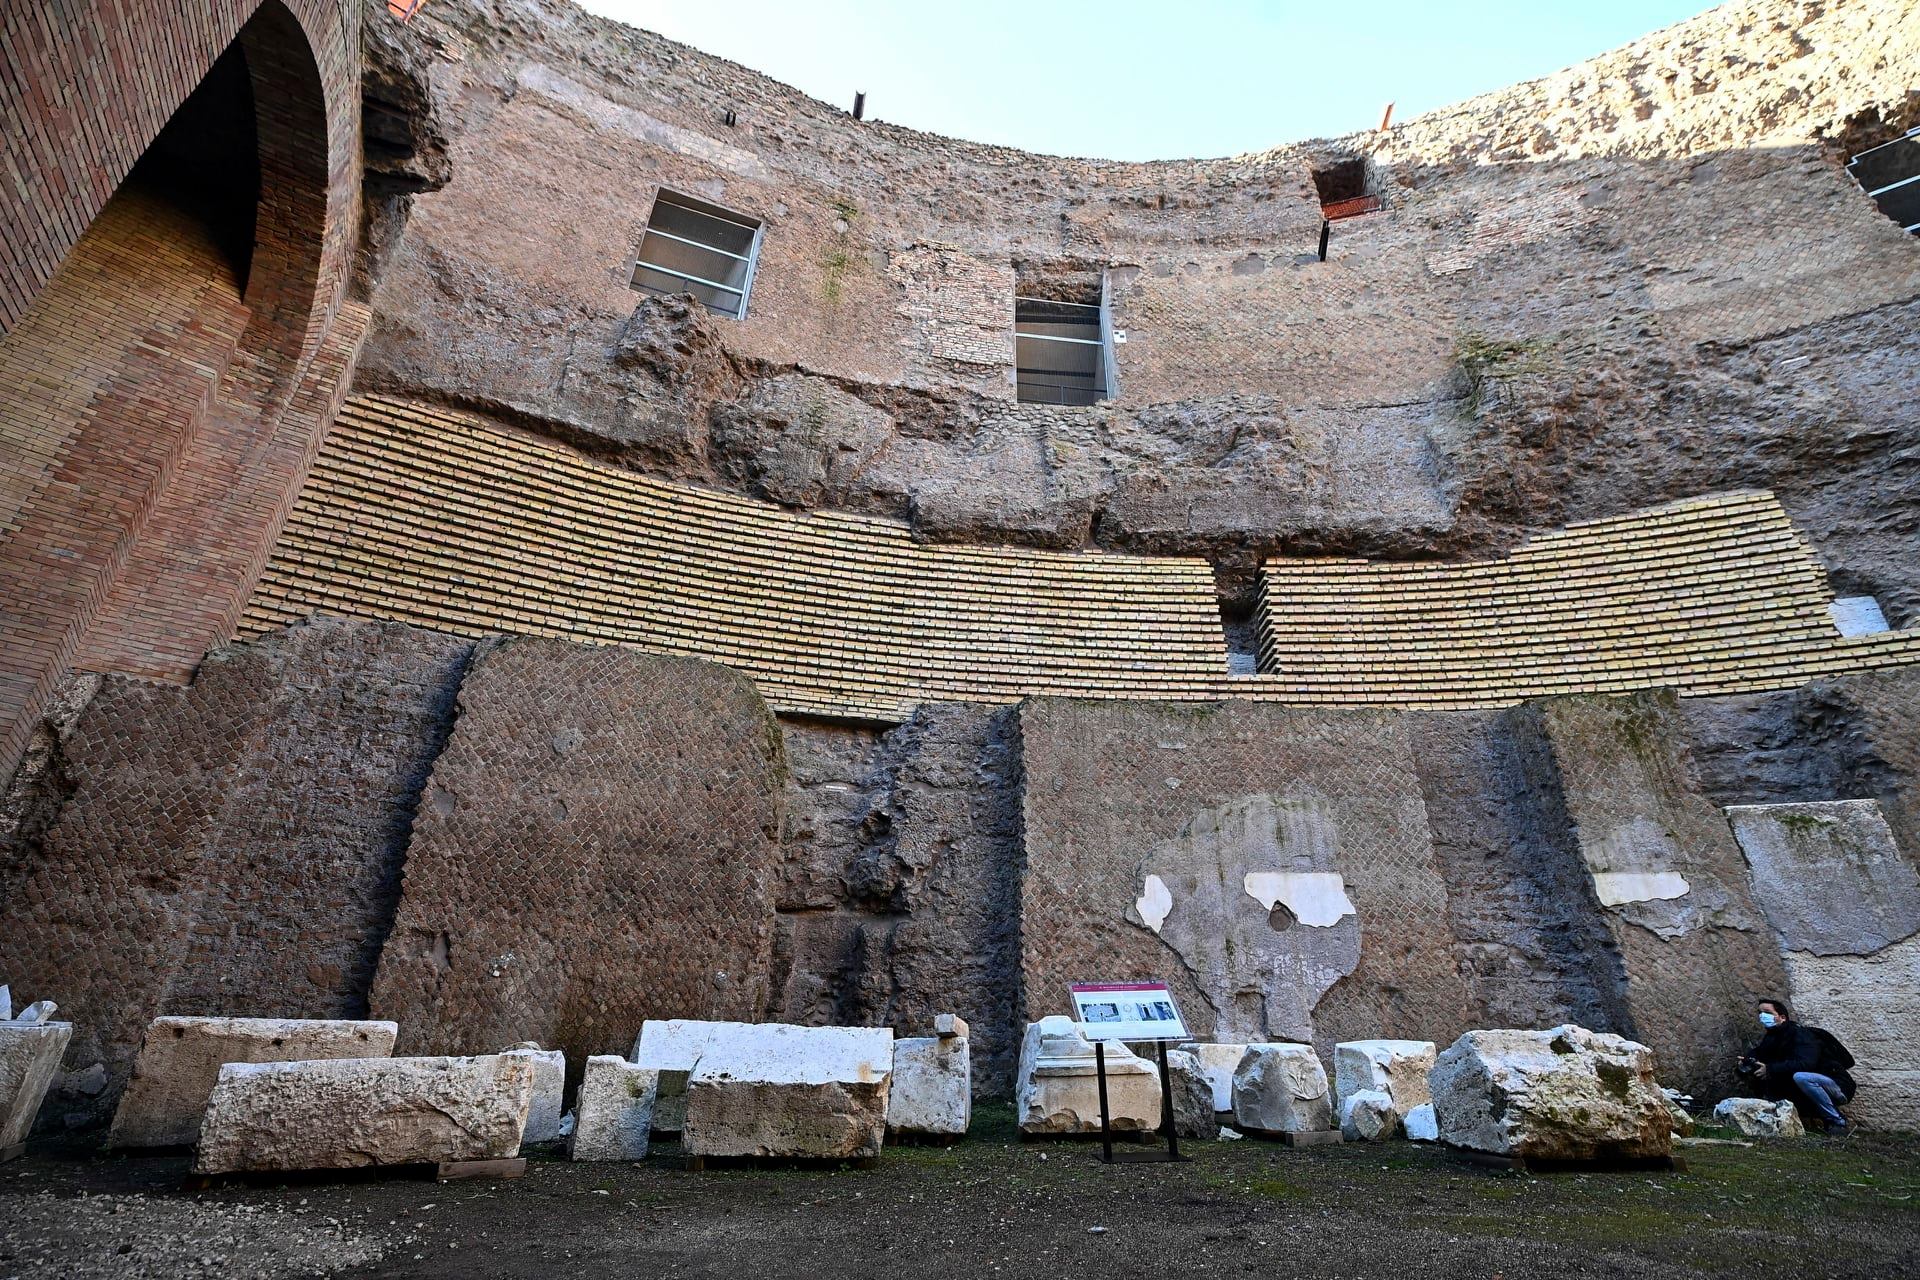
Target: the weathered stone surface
(1421, 1125)
(1368, 1115)
(613, 1115)
(1205, 797)
(1829, 875)
(1281, 1088)
(900, 892)
(1193, 1110)
(1693, 962)
(364, 1111)
(1677, 1113)
(1759, 1118)
(1056, 1089)
(800, 1092)
(672, 1048)
(546, 1115)
(580, 776)
(1397, 1068)
(29, 1060)
(1563, 1094)
(181, 1057)
(932, 1090)
(1218, 1061)
(269, 803)
(1872, 1003)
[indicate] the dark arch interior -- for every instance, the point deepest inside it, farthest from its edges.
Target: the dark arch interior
(206, 161)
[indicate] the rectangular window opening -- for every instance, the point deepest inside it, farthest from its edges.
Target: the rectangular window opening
(1890, 175)
(693, 247)
(1062, 351)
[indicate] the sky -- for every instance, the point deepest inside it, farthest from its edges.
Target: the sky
(1130, 80)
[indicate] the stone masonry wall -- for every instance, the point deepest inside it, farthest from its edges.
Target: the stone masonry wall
(597, 845)
(230, 848)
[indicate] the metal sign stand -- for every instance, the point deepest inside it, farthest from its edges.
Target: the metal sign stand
(1107, 1153)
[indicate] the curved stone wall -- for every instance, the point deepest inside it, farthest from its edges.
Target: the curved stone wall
(440, 519)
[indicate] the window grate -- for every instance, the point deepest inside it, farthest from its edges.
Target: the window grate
(1060, 353)
(1890, 175)
(696, 248)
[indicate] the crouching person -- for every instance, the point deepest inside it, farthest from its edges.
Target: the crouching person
(1803, 1064)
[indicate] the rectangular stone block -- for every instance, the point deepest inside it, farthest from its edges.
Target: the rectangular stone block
(1057, 1087)
(355, 1112)
(1281, 1088)
(613, 1115)
(545, 1116)
(932, 1090)
(29, 1059)
(1397, 1068)
(181, 1057)
(670, 1046)
(797, 1092)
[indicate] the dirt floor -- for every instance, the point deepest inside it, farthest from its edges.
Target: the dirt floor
(992, 1206)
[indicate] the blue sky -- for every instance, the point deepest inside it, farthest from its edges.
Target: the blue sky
(1128, 80)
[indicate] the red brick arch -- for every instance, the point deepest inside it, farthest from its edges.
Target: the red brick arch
(146, 472)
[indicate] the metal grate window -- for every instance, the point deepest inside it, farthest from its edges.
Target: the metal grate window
(1890, 175)
(1060, 355)
(701, 249)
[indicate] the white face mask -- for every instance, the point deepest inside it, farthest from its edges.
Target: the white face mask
(1768, 1020)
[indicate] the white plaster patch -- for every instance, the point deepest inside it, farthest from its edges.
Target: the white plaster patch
(608, 114)
(1857, 616)
(1616, 888)
(1318, 898)
(1154, 903)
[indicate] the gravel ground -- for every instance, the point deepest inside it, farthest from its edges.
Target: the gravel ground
(993, 1207)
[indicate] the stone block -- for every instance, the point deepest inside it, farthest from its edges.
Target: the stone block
(1368, 1115)
(1056, 1090)
(1194, 1115)
(364, 1111)
(1563, 1094)
(1281, 1088)
(1421, 1125)
(180, 1060)
(546, 1118)
(1759, 1118)
(671, 1046)
(771, 1089)
(613, 1115)
(29, 1059)
(1829, 875)
(932, 1090)
(1219, 1062)
(1397, 1068)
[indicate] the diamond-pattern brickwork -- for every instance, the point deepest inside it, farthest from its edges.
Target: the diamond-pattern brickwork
(598, 845)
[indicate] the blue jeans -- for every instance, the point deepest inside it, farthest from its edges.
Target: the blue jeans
(1823, 1092)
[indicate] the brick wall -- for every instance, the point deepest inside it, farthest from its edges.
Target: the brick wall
(147, 473)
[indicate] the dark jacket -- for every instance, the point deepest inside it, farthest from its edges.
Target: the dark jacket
(1791, 1047)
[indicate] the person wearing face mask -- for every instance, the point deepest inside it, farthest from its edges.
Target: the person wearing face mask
(1801, 1063)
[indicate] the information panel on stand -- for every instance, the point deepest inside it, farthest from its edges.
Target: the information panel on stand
(1127, 1011)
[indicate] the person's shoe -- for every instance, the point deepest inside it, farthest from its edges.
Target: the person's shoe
(1840, 1129)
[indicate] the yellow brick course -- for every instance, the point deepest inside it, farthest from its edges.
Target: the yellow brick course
(424, 515)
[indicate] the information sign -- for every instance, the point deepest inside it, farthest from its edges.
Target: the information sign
(1127, 1011)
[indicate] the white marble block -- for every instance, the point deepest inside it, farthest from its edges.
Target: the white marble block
(1219, 1061)
(1368, 1115)
(1397, 1068)
(353, 1112)
(613, 1115)
(770, 1089)
(1421, 1125)
(932, 1090)
(30, 1056)
(180, 1059)
(1057, 1087)
(1759, 1118)
(1281, 1088)
(1564, 1094)
(546, 1118)
(671, 1046)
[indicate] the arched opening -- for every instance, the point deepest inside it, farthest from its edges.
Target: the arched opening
(152, 368)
